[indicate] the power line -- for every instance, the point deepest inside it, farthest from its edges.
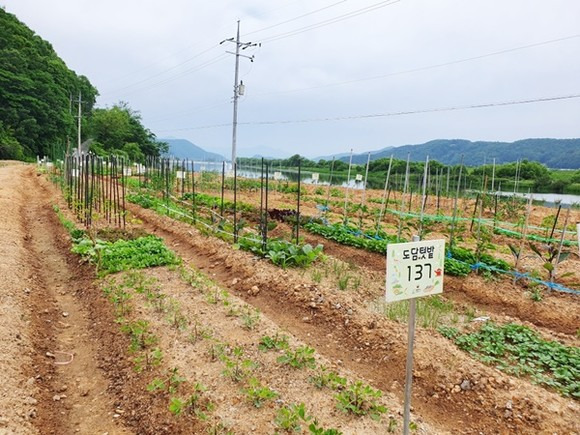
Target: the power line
(423, 68)
(402, 72)
(185, 113)
(295, 18)
(212, 61)
(391, 114)
(160, 73)
(329, 21)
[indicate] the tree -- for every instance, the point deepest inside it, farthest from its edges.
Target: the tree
(119, 128)
(35, 87)
(10, 149)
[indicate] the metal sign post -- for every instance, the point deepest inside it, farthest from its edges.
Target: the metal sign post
(414, 270)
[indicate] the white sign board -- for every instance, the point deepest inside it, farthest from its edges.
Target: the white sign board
(127, 172)
(414, 269)
(358, 177)
(277, 175)
(180, 175)
(315, 176)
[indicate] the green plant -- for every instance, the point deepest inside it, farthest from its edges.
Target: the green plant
(219, 428)
(194, 404)
(141, 337)
(360, 399)
(282, 253)
(431, 310)
(343, 282)
(299, 358)
(216, 351)
(551, 257)
(170, 383)
(392, 427)
(111, 257)
(518, 350)
(174, 315)
(257, 393)
(471, 258)
(198, 332)
(456, 268)
(315, 429)
(351, 236)
(536, 294)
(316, 276)
(250, 317)
(278, 342)
(237, 368)
(290, 418)
(148, 360)
(324, 378)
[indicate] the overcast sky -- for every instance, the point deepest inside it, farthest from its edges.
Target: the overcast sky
(325, 59)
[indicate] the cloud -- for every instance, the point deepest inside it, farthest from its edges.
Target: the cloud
(151, 54)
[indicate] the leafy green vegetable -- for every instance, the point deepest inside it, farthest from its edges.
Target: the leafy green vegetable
(349, 236)
(518, 350)
(112, 257)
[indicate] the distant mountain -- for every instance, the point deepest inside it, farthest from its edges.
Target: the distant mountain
(263, 151)
(184, 149)
(346, 156)
(554, 153)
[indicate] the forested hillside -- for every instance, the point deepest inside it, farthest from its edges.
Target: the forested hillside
(35, 90)
(554, 153)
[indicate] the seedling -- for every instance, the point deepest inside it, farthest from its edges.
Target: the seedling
(141, 337)
(290, 418)
(149, 360)
(314, 429)
(343, 282)
(324, 378)
(170, 383)
(238, 369)
(277, 342)
(316, 276)
(216, 351)
(360, 399)
(192, 405)
(551, 257)
(250, 318)
(174, 316)
(257, 393)
(301, 357)
(199, 333)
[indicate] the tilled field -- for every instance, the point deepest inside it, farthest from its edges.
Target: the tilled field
(67, 365)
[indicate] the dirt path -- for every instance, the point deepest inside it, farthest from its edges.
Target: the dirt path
(63, 388)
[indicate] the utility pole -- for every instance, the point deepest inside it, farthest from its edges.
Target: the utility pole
(238, 87)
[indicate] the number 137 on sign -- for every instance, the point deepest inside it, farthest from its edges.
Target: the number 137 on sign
(414, 269)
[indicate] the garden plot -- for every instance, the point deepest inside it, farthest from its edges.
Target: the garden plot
(331, 312)
(351, 324)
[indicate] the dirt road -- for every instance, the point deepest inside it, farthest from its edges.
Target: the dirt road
(49, 361)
